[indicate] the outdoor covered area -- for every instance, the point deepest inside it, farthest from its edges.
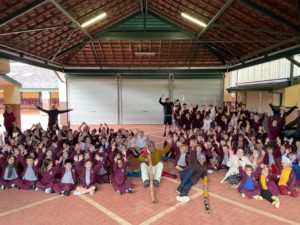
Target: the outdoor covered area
(112, 60)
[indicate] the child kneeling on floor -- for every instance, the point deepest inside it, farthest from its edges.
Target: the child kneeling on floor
(248, 185)
(88, 174)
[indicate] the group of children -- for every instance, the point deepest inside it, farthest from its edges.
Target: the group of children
(249, 147)
(52, 160)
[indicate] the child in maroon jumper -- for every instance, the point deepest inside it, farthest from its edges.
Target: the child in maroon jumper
(88, 174)
(9, 172)
(68, 179)
(48, 173)
(119, 181)
(287, 178)
(29, 175)
(248, 186)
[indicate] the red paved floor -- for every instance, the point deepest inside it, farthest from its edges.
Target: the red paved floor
(27, 207)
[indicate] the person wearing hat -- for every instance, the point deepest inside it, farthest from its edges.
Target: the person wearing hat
(287, 178)
(191, 175)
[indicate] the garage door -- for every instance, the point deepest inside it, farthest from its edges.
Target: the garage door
(195, 90)
(93, 100)
(140, 100)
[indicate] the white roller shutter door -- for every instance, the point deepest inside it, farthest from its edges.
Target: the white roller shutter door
(194, 90)
(140, 100)
(94, 100)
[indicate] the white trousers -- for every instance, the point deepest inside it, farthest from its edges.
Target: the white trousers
(157, 171)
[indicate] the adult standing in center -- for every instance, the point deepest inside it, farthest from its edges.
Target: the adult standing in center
(168, 108)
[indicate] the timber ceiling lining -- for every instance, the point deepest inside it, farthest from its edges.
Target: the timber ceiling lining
(245, 30)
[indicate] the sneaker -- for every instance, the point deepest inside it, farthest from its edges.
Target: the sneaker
(36, 189)
(129, 190)
(164, 134)
(258, 197)
(146, 183)
(183, 199)
(77, 193)
(92, 193)
(33, 187)
(243, 195)
(118, 192)
(66, 193)
(48, 190)
(156, 183)
(209, 171)
(2, 187)
(13, 185)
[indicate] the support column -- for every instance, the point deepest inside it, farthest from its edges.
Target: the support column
(63, 104)
(120, 107)
(171, 86)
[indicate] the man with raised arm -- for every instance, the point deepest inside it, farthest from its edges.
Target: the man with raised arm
(168, 108)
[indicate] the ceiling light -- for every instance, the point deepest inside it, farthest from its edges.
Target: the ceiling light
(194, 20)
(93, 20)
(145, 53)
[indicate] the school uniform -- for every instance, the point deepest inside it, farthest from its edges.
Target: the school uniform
(9, 174)
(88, 176)
(48, 178)
(248, 184)
(67, 181)
(119, 179)
(287, 182)
(28, 177)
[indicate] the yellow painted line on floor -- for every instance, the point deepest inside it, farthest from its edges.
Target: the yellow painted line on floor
(241, 205)
(28, 206)
(169, 210)
(106, 211)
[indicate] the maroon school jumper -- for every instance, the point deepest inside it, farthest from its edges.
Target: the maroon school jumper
(119, 178)
(244, 176)
(7, 183)
(26, 184)
(274, 132)
(9, 119)
(48, 178)
(60, 187)
(290, 185)
(81, 170)
(270, 182)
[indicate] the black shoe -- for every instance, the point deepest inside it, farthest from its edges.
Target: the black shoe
(164, 134)
(146, 183)
(129, 190)
(33, 187)
(156, 183)
(178, 190)
(66, 193)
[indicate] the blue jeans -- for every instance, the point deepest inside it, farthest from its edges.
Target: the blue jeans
(186, 181)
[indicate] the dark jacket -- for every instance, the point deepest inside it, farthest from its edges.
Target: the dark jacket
(167, 107)
(53, 115)
(199, 171)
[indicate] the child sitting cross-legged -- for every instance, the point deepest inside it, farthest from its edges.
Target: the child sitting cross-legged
(248, 186)
(88, 174)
